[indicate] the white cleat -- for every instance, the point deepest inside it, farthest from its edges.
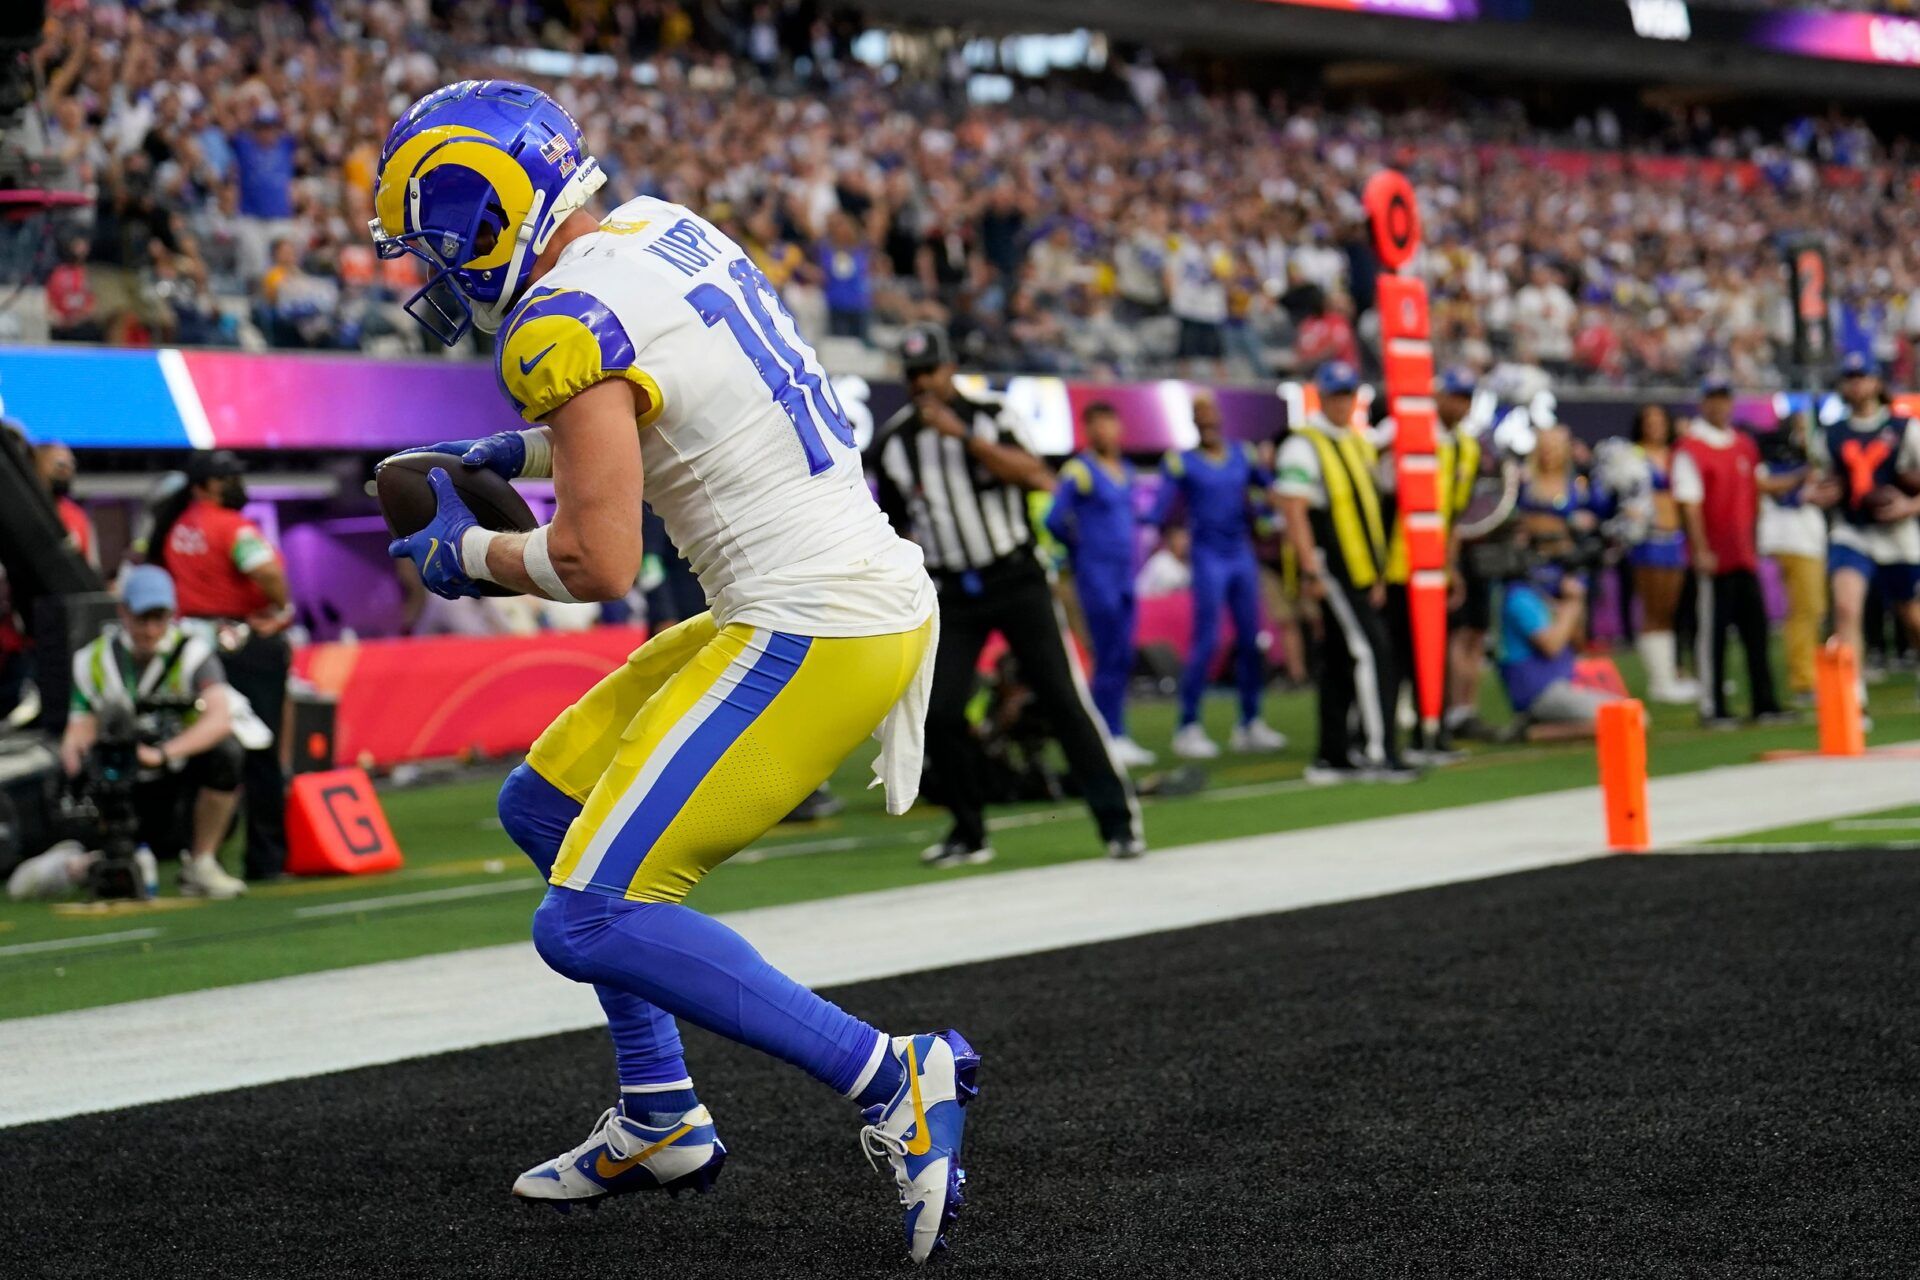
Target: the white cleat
(623, 1155)
(918, 1134)
(1192, 743)
(1131, 754)
(1258, 735)
(54, 873)
(202, 876)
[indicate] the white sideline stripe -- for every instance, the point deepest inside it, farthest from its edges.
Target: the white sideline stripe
(518, 884)
(75, 944)
(186, 397)
(1877, 824)
(286, 1028)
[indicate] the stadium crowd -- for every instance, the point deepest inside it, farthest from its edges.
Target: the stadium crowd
(1123, 224)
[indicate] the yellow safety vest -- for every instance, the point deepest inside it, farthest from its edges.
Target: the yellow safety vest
(1457, 466)
(1353, 504)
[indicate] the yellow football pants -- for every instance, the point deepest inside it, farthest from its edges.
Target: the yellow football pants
(703, 740)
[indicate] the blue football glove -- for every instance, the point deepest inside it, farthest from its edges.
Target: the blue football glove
(504, 454)
(435, 550)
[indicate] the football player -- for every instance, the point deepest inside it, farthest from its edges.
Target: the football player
(647, 344)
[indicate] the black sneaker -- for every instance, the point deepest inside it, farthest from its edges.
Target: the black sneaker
(951, 853)
(1393, 771)
(1322, 774)
(822, 803)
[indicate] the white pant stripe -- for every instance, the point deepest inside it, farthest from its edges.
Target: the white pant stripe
(1366, 680)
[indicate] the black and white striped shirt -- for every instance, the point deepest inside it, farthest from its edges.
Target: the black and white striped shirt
(963, 517)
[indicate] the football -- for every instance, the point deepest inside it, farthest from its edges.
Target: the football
(406, 499)
(1885, 503)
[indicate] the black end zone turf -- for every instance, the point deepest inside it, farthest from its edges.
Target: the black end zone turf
(1639, 1067)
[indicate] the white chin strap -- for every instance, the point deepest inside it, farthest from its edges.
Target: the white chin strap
(489, 316)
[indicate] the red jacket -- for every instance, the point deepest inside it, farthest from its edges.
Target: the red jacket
(1729, 494)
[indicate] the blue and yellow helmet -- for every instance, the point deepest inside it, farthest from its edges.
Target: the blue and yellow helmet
(474, 180)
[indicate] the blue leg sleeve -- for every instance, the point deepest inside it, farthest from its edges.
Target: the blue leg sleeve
(1207, 574)
(1107, 604)
(697, 969)
(1243, 598)
(646, 1044)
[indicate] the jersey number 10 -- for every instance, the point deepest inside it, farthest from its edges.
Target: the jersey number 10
(798, 384)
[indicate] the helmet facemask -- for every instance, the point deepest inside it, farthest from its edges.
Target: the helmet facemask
(465, 289)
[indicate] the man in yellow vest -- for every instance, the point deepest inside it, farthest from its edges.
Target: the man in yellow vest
(1457, 456)
(1338, 532)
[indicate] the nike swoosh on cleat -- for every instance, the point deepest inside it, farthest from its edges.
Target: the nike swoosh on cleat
(526, 365)
(922, 1140)
(614, 1168)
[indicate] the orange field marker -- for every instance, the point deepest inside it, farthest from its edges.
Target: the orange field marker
(1836, 694)
(1622, 741)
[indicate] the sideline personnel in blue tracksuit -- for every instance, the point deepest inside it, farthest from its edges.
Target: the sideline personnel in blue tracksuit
(1219, 483)
(1093, 517)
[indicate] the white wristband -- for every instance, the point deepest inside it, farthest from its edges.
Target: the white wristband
(540, 568)
(473, 553)
(539, 463)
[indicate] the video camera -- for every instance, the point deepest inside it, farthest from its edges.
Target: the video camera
(101, 812)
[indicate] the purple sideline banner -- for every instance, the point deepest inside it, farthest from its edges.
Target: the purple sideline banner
(1431, 10)
(1849, 37)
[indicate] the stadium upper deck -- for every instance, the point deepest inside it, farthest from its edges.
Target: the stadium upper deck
(229, 152)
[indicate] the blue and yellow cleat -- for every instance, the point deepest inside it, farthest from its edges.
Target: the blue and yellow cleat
(919, 1133)
(623, 1155)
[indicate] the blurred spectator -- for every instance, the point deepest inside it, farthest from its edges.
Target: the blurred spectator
(1544, 315)
(252, 124)
(1197, 295)
(846, 263)
(1715, 481)
(263, 170)
(1169, 570)
(230, 575)
(56, 468)
(1793, 533)
(73, 313)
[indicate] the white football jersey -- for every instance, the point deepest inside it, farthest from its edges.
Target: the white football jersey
(749, 455)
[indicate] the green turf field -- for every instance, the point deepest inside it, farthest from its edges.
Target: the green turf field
(464, 884)
(1897, 827)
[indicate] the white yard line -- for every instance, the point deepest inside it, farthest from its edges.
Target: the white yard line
(75, 944)
(210, 1041)
(356, 906)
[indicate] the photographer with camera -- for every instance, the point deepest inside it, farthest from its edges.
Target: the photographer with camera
(1543, 610)
(151, 679)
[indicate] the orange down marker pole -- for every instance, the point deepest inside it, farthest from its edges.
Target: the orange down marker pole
(1836, 690)
(1405, 339)
(1622, 732)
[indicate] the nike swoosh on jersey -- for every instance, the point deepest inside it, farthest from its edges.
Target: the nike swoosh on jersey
(526, 365)
(614, 1168)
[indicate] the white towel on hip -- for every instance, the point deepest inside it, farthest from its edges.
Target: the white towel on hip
(903, 734)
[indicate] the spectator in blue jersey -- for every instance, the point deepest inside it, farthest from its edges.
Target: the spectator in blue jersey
(846, 262)
(1219, 484)
(263, 171)
(1093, 516)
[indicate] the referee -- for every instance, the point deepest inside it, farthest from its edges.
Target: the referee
(953, 473)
